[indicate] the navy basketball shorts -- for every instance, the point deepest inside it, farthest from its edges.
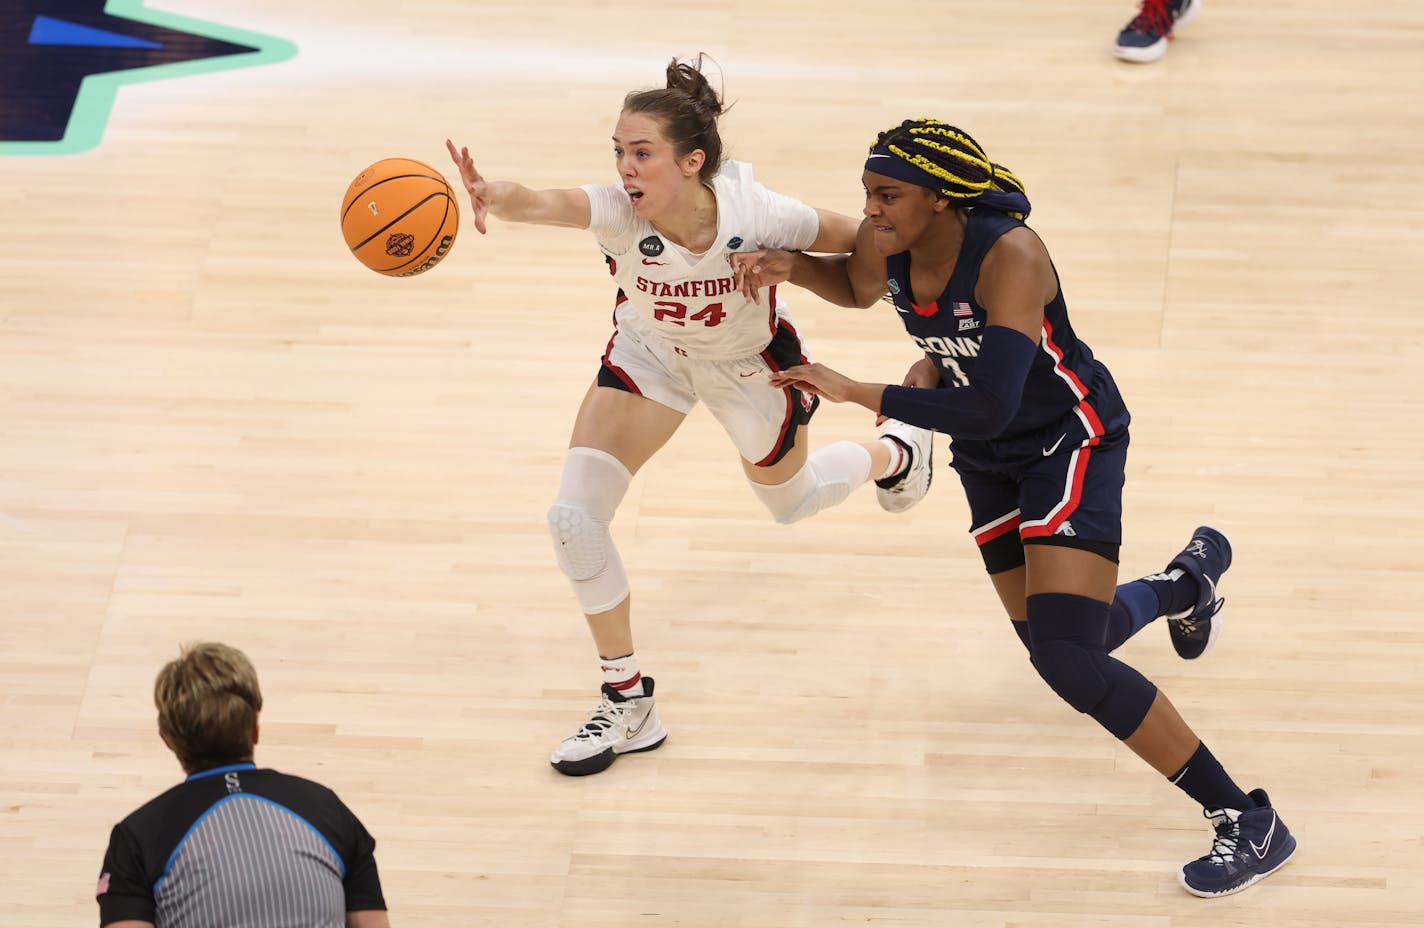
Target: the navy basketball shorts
(1029, 491)
(761, 420)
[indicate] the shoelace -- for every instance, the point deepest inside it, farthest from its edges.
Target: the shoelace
(1155, 18)
(1228, 835)
(1188, 624)
(603, 717)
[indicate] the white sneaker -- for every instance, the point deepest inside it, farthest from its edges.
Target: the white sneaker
(896, 494)
(617, 725)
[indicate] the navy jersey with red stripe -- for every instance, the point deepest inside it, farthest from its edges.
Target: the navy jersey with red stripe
(1064, 376)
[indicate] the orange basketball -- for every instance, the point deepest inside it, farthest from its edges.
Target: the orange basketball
(399, 217)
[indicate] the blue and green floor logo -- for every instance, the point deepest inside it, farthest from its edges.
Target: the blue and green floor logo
(62, 62)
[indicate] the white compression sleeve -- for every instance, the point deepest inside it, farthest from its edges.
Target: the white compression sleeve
(826, 480)
(593, 485)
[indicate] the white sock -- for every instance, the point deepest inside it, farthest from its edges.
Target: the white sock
(622, 674)
(899, 458)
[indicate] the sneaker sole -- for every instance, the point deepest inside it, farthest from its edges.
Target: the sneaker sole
(1216, 620)
(1255, 878)
(1145, 55)
(604, 759)
(1189, 13)
(1217, 624)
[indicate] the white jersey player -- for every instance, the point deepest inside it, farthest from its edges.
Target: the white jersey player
(684, 333)
(691, 300)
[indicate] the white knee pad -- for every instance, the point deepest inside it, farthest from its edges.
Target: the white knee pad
(826, 480)
(592, 487)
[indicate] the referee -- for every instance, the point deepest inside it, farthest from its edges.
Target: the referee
(233, 845)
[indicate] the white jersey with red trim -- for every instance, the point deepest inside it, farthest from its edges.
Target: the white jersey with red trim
(688, 300)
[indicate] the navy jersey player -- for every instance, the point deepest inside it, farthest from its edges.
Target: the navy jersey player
(1039, 437)
(684, 333)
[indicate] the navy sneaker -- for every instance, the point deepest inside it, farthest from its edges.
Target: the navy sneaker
(1248, 846)
(1205, 558)
(1145, 38)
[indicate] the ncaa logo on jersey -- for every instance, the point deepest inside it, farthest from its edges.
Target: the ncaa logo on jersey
(734, 243)
(894, 286)
(652, 246)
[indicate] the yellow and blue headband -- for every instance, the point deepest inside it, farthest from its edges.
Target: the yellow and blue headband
(890, 160)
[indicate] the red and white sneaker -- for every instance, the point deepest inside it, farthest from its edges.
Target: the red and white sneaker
(1145, 38)
(619, 724)
(898, 493)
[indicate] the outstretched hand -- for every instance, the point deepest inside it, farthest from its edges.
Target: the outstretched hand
(474, 183)
(817, 379)
(754, 270)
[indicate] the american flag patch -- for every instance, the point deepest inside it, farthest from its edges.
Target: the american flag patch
(962, 309)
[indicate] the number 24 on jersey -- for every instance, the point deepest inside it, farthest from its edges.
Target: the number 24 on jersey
(676, 313)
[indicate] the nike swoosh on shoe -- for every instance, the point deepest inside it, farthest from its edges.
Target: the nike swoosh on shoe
(1270, 833)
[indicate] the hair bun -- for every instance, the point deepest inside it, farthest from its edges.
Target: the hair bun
(687, 77)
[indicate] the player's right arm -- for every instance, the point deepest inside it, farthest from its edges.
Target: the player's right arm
(517, 203)
(856, 279)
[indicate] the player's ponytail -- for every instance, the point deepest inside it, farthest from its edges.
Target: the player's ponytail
(687, 109)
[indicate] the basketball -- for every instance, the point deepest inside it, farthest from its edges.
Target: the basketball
(399, 217)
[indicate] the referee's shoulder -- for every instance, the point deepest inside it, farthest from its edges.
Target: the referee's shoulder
(305, 797)
(184, 799)
(266, 778)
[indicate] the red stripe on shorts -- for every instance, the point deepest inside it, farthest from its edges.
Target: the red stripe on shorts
(1075, 495)
(999, 527)
(618, 372)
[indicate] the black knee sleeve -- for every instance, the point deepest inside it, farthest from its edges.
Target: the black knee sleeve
(1072, 671)
(1068, 647)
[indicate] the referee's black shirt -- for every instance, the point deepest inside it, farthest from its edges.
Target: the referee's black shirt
(236, 846)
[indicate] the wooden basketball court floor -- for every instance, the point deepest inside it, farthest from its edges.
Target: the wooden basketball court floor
(217, 425)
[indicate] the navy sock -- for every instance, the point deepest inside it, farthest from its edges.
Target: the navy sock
(1203, 779)
(1022, 629)
(1176, 592)
(1133, 608)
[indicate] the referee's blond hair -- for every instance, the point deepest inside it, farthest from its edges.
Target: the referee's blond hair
(208, 700)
